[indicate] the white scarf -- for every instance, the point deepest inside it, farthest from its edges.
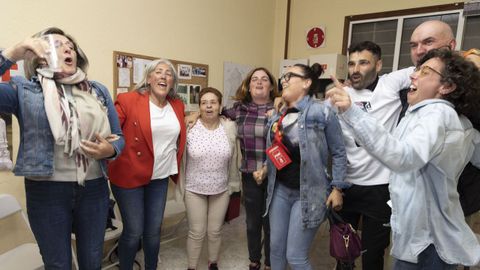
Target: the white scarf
(63, 116)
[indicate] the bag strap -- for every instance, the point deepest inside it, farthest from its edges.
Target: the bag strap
(333, 216)
(277, 139)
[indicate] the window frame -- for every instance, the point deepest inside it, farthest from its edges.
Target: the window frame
(400, 16)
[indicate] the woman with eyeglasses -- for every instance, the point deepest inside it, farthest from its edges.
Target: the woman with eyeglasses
(426, 153)
(152, 119)
(68, 129)
(300, 139)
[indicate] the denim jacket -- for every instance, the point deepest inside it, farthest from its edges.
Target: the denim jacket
(24, 99)
(319, 134)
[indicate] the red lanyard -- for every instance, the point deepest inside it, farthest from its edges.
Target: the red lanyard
(279, 134)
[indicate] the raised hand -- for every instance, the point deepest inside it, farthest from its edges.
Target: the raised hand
(338, 96)
(28, 48)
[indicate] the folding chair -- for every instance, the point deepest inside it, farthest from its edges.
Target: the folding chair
(24, 256)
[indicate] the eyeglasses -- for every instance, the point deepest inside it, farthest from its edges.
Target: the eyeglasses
(69, 44)
(58, 43)
(287, 76)
(425, 70)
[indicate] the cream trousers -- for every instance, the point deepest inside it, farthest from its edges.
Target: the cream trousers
(205, 214)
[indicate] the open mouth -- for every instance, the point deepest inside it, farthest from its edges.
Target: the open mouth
(68, 61)
(356, 77)
(413, 88)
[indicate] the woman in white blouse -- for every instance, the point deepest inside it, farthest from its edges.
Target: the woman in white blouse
(152, 120)
(209, 174)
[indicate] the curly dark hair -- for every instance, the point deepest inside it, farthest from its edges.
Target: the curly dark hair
(313, 73)
(465, 76)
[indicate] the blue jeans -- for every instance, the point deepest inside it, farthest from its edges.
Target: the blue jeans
(54, 207)
(427, 260)
(142, 211)
(289, 240)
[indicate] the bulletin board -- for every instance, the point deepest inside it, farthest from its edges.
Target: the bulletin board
(128, 70)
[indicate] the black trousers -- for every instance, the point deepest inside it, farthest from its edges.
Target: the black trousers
(255, 199)
(369, 203)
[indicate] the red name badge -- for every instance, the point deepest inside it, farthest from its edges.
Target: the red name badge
(278, 156)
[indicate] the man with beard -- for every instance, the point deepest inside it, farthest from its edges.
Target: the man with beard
(367, 199)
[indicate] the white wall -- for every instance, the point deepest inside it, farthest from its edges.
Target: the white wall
(208, 31)
(306, 14)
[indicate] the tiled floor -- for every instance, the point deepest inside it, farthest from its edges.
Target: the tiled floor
(234, 253)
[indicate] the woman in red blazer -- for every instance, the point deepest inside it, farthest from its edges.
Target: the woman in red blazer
(152, 121)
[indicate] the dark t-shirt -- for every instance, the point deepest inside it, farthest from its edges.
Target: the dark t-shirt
(289, 175)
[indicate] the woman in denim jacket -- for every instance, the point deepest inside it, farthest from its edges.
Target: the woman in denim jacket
(300, 192)
(68, 127)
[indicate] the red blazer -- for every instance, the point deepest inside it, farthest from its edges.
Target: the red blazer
(134, 166)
